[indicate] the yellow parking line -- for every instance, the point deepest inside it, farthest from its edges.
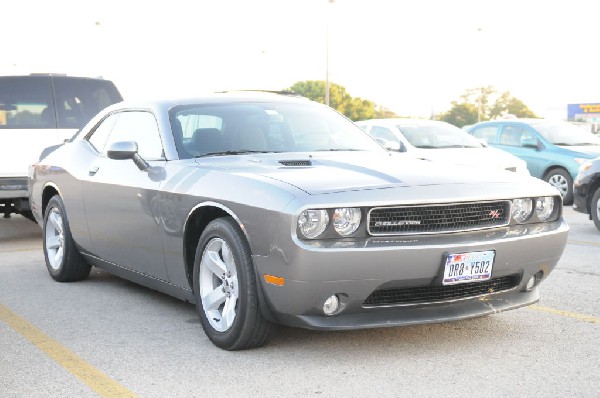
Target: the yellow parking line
(98, 381)
(583, 242)
(21, 249)
(581, 317)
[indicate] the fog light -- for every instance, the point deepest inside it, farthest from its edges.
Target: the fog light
(331, 305)
(534, 281)
(530, 283)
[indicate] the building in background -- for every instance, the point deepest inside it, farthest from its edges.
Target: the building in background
(587, 115)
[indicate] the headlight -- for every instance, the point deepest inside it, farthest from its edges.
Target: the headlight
(521, 209)
(312, 223)
(585, 166)
(544, 208)
(346, 220)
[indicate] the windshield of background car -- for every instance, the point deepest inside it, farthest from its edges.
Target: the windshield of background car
(232, 128)
(437, 136)
(566, 134)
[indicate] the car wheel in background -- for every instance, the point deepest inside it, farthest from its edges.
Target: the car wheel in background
(595, 208)
(225, 288)
(561, 180)
(63, 260)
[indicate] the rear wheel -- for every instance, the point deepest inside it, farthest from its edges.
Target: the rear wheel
(595, 208)
(225, 288)
(561, 180)
(63, 260)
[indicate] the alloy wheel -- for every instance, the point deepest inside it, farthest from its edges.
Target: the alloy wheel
(55, 240)
(218, 282)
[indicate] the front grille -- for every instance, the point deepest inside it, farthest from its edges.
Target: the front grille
(433, 294)
(296, 163)
(438, 218)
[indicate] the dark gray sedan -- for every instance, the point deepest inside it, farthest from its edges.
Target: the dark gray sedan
(265, 209)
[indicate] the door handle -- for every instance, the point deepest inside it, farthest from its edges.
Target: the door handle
(93, 171)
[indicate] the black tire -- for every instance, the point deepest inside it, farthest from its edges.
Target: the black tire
(595, 208)
(561, 180)
(63, 260)
(246, 326)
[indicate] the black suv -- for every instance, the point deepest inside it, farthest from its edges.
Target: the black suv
(586, 190)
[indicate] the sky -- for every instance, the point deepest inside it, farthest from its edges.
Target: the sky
(412, 57)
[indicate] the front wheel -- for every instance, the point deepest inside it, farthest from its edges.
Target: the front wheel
(595, 208)
(63, 260)
(561, 180)
(225, 288)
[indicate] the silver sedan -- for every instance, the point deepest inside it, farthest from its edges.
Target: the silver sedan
(269, 209)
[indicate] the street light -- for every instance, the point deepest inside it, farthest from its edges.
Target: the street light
(327, 53)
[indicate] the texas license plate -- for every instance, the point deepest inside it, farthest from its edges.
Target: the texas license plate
(468, 267)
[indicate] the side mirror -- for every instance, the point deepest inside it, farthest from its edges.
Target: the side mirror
(395, 146)
(123, 150)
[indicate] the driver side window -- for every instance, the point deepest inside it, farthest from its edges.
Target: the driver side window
(141, 127)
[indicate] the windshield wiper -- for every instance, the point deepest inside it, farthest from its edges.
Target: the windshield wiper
(338, 150)
(240, 152)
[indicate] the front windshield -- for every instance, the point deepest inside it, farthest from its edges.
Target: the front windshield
(566, 134)
(239, 128)
(438, 135)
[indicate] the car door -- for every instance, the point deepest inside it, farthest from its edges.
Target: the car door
(119, 197)
(520, 141)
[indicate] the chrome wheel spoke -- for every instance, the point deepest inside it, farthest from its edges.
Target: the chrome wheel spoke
(53, 242)
(58, 257)
(56, 221)
(214, 299)
(229, 311)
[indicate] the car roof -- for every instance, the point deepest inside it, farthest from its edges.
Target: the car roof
(214, 98)
(403, 120)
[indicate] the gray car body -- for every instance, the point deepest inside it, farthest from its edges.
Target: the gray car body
(145, 225)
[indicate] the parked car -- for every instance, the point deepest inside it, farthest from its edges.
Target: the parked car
(553, 150)
(587, 190)
(37, 111)
(265, 209)
(440, 141)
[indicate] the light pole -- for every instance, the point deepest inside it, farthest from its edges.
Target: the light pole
(327, 53)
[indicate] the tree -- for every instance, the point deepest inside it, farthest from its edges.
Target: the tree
(507, 104)
(474, 106)
(461, 114)
(353, 108)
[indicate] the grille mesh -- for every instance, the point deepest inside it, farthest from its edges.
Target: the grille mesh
(432, 294)
(438, 218)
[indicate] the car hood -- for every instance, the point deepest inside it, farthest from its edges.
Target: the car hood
(592, 150)
(318, 173)
(485, 157)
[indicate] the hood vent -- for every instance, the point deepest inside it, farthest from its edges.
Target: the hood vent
(296, 163)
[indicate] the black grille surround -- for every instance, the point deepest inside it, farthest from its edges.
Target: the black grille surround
(443, 218)
(296, 163)
(438, 294)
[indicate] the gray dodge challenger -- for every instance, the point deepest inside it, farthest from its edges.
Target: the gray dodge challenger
(265, 209)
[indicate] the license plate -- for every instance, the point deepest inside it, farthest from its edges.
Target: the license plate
(468, 267)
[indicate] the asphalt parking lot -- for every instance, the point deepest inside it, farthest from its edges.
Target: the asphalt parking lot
(109, 337)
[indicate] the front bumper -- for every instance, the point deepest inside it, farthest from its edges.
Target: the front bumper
(355, 269)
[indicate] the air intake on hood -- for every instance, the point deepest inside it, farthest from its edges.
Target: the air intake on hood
(297, 163)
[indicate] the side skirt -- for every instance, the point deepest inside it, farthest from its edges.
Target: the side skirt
(142, 279)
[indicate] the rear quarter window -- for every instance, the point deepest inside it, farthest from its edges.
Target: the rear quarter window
(26, 103)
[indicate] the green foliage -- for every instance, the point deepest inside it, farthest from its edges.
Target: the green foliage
(476, 105)
(461, 114)
(353, 108)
